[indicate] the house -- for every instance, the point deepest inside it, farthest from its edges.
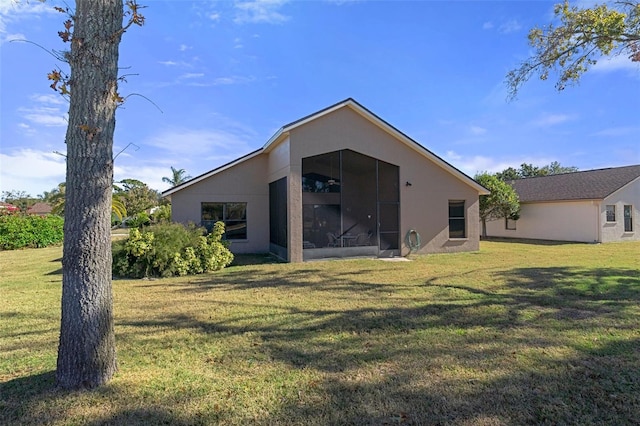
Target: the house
(41, 209)
(338, 183)
(8, 208)
(590, 206)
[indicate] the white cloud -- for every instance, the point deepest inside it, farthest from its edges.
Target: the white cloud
(617, 63)
(214, 16)
(547, 120)
(220, 81)
(47, 110)
(618, 131)
(184, 47)
(260, 11)
(479, 163)
(477, 130)
(487, 25)
(12, 11)
(191, 75)
(31, 170)
(510, 26)
(227, 143)
(12, 38)
(151, 175)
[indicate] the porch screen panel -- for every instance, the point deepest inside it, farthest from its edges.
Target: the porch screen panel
(359, 197)
(321, 200)
(389, 205)
(278, 212)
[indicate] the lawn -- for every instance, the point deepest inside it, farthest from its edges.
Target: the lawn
(517, 333)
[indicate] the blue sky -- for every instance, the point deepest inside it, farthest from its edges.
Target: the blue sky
(226, 75)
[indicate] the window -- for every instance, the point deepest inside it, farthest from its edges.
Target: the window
(611, 213)
(234, 216)
(628, 218)
(509, 224)
(456, 219)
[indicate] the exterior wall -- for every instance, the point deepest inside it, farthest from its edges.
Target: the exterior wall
(614, 231)
(560, 221)
(424, 206)
(244, 182)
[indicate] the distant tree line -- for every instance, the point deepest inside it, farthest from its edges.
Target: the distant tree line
(529, 170)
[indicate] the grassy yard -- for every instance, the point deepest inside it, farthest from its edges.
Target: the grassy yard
(514, 334)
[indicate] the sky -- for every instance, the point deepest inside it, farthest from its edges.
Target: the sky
(210, 81)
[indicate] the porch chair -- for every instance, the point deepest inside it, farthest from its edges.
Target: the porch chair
(333, 240)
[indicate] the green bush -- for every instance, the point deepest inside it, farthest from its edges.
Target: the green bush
(170, 249)
(161, 214)
(21, 231)
(138, 220)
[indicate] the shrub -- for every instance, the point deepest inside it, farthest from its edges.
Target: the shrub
(20, 231)
(170, 249)
(138, 220)
(161, 214)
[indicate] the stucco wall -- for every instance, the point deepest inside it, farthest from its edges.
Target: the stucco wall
(614, 231)
(561, 221)
(424, 204)
(243, 183)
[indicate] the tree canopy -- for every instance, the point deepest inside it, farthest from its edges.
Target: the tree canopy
(580, 38)
(529, 170)
(135, 195)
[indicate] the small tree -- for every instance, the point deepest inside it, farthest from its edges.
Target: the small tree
(501, 203)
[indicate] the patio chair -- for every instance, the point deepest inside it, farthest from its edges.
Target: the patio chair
(333, 240)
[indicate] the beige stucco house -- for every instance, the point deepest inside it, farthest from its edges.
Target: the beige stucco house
(591, 206)
(340, 182)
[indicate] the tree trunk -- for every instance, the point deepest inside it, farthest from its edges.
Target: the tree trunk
(484, 228)
(86, 352)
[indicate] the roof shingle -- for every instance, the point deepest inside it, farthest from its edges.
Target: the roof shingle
(587, 185)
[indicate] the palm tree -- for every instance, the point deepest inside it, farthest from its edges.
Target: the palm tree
(179, 176)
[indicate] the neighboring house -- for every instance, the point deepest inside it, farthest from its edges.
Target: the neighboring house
(41, 209)
(591, 206)
(340, 182)
(6, 207)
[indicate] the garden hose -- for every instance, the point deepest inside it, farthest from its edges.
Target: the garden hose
(413, 240)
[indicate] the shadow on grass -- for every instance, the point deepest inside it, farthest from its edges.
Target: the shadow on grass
(593, 388)
(18, 395)
(531, 241)
(144, 416)
(255, 259)
(598, 384)
(462, 354)
(317, 278)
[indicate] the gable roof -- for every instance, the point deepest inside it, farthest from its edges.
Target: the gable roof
(40, 208)
(587, 185)
(284, 131)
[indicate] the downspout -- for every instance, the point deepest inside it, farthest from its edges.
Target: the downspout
(599, 221)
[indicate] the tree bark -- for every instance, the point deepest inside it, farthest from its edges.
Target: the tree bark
(86, 352)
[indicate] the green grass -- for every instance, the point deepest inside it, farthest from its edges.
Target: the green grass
(517, 333)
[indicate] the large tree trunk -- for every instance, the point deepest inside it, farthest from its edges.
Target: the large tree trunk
(86, 353)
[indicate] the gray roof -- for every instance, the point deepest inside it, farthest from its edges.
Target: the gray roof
(587, 185)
